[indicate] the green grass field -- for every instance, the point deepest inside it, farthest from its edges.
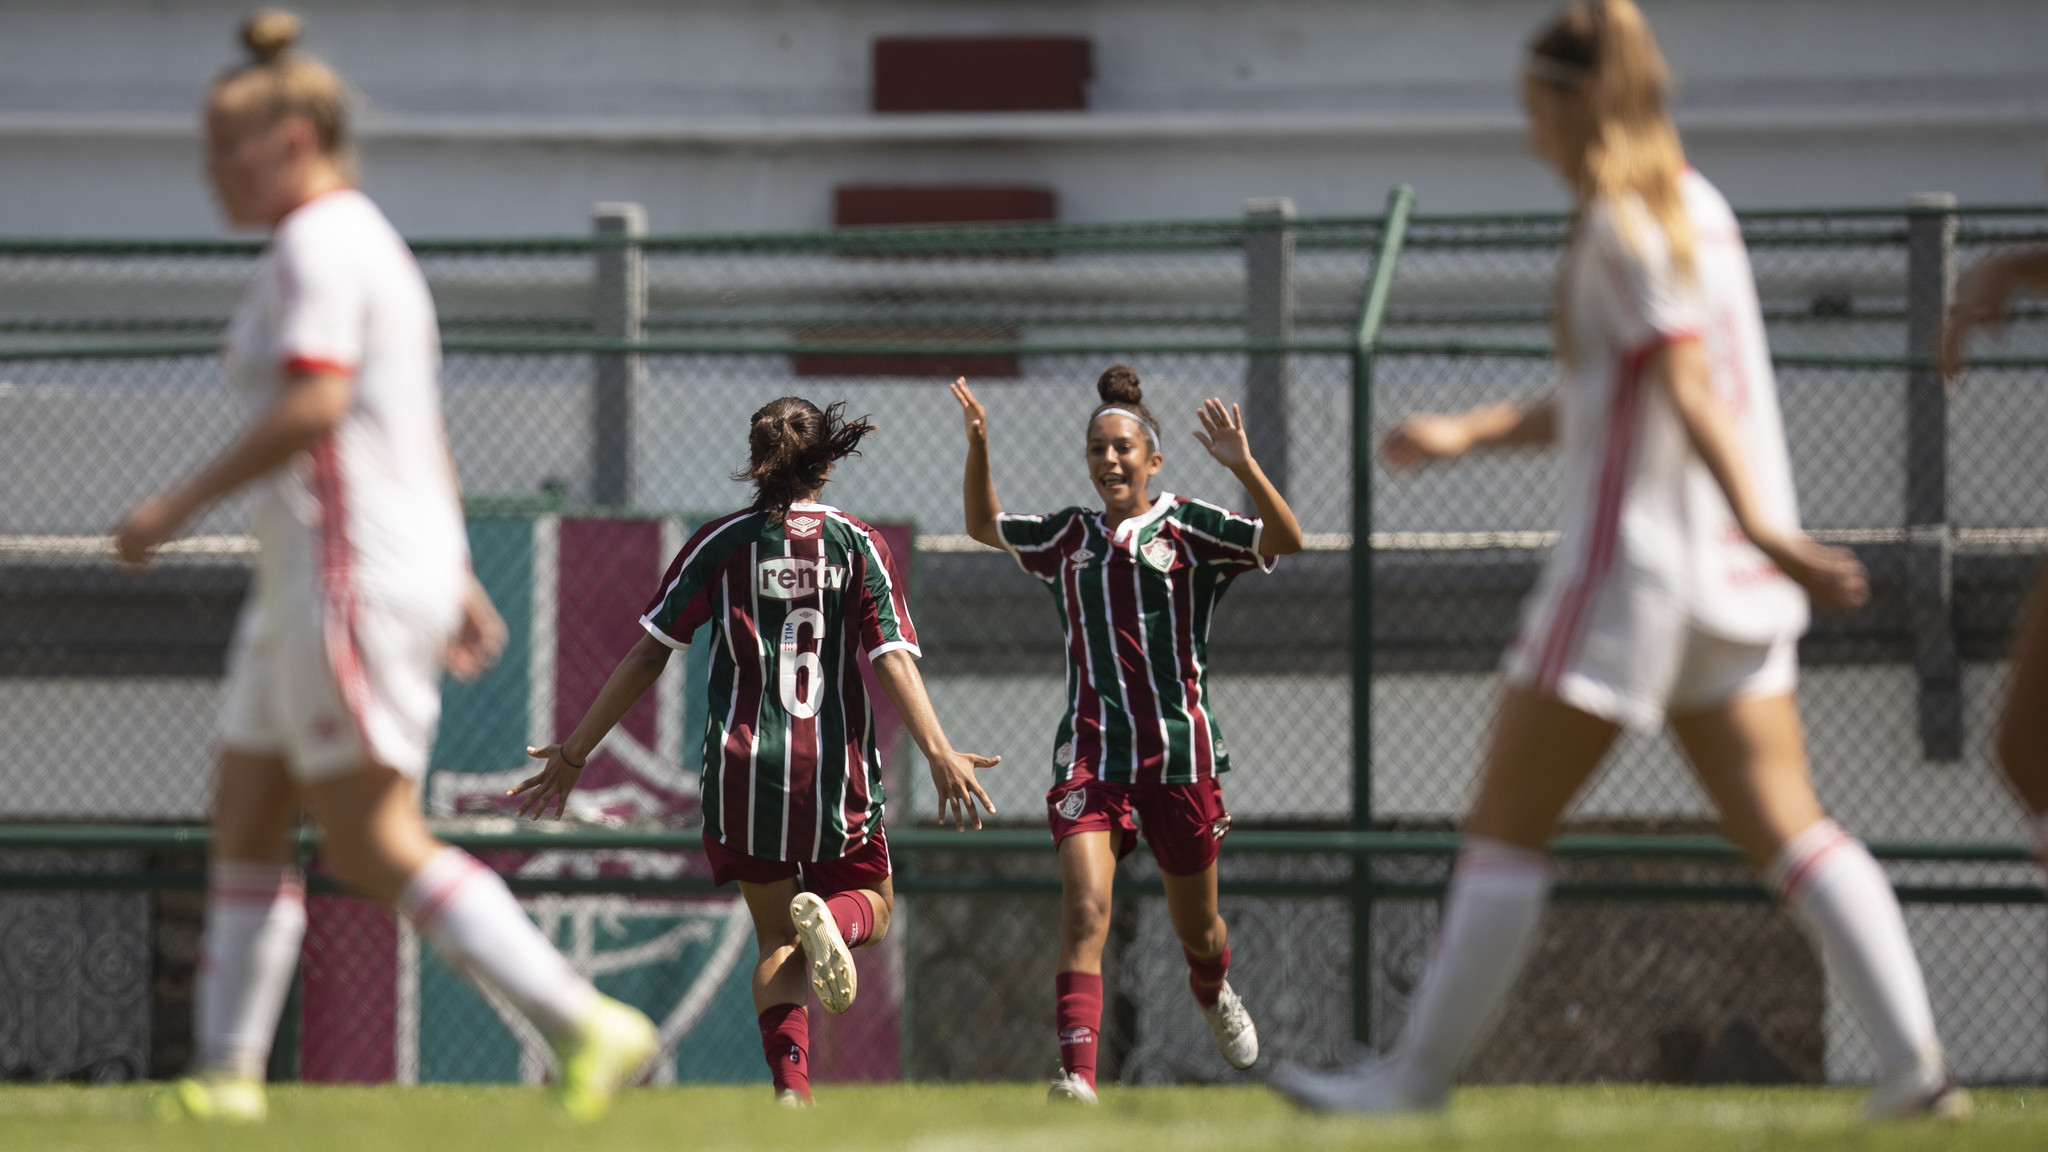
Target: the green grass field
(1010, 1118)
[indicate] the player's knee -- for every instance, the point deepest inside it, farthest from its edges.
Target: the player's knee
(885, 912)
(1084, 916)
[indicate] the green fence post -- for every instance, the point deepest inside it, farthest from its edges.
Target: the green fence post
(1372, 312)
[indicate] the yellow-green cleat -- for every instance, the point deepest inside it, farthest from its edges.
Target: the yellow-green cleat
(224, 1101)
(601, 1055)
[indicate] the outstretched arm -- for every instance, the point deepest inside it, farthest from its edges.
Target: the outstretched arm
(563, 763)
(1833, 577)
(310, 406)
(978, 489)
(1222, 433)
(952, 772)
(1427, 436)
(1981, 300)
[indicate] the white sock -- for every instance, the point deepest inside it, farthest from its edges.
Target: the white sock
(1489, 925)
(469, 916)
(255, 922)
(1842, 897)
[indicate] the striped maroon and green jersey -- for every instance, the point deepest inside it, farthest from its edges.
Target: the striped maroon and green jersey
(790, 766)
(1136, 603)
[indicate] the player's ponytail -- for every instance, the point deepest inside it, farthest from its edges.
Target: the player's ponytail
(791, 447)
(1121, 392)
(1602, 52)
(278, 81)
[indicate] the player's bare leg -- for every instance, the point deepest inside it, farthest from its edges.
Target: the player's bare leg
(1087, 886)
(255, 923)
(1205, 941)
(378, 843)
(1541, 755)
(1750, 756)
(781, 989)
(831, 927)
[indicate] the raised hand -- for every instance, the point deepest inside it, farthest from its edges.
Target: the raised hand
(1222, 433)
(953, 776)
(972, 411)
(550, 786)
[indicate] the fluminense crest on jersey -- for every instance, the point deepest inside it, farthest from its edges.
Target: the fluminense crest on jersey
(1160, 553)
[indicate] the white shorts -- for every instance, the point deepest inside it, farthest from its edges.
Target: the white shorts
(331, 690)
(1633, 656)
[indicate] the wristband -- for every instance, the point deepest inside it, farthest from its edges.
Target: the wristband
(564, 750)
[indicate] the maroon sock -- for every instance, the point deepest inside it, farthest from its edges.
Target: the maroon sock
(1080, 1018)
(786, 1042)
(1205, 975)
(854, 915)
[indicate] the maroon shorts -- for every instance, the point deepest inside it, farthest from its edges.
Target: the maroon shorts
(1184, 823)
(864, 867)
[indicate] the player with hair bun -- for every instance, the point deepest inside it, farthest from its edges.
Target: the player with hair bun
(362, 596)
(1136, 584)
(1676, 594)
(795, 592)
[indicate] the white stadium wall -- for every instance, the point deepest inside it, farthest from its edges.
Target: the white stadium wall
(514, 117)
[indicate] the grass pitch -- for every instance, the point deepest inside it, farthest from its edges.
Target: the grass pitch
(1009, 1118)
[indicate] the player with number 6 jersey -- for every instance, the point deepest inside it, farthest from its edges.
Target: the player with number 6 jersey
(795, 594)
(1136, 584)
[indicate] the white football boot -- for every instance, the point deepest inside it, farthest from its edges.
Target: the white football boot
(1236, 1036)
(1070, 1089)
(791, 1098)
(1378, 1087)
(832, 973)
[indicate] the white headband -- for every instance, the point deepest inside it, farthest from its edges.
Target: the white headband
(1144, 423)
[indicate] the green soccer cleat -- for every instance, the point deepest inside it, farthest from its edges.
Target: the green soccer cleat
(600, 1055)
(235, 1100)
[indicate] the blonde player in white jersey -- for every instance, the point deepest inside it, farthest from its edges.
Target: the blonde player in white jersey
(362, 595)
(1676, 594)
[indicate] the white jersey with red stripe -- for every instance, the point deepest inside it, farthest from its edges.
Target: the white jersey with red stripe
(1642, 519)
(371, 512)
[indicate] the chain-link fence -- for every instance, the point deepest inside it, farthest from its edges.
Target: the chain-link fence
(596, 394)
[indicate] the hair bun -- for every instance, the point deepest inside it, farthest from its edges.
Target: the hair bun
(1119, 385)
(269, 32)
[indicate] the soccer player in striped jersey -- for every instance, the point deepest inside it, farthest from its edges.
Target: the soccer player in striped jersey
(1136, 583)
(1676, 594)
(362, 597)
(792, 780)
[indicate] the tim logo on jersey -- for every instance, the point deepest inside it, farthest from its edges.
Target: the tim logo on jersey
(791, 577)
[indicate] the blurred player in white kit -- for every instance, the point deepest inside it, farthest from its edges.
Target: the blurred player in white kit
(363, 595)
(1677, 593)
